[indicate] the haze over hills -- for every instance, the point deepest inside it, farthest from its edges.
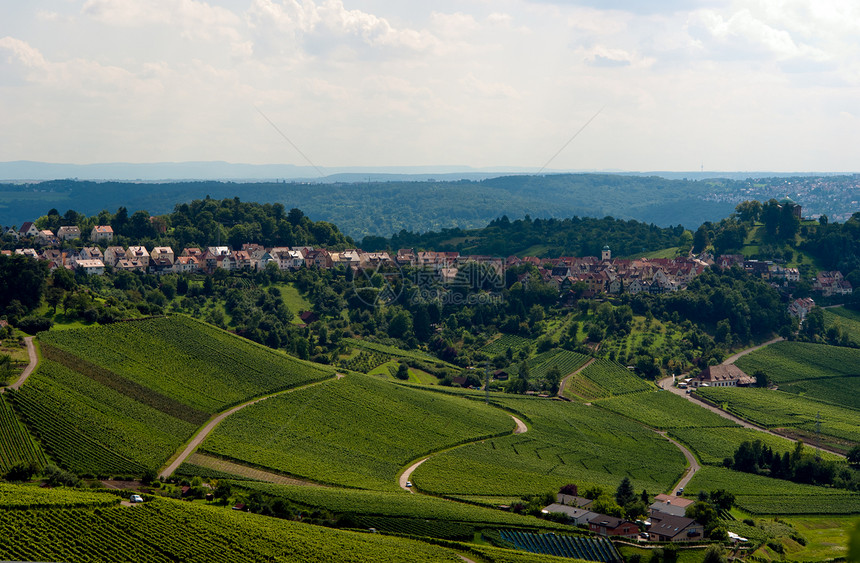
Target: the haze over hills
(27, 171)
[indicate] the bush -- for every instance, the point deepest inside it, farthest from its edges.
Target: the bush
(32, 324)
(776, 546)
(57, 477)
(21, 472)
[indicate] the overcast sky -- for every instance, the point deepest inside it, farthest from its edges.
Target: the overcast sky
(728, 85)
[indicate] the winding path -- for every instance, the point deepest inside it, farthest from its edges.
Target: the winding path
(733, 358)
(201, 435)
(667, 384)
(34, 362)
(407, 475)
(691, 460)
(563, 383)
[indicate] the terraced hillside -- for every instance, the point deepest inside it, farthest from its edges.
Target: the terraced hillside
(16, 444)
(358, 431)
(566, 443)
(122, 398)
(165, 530)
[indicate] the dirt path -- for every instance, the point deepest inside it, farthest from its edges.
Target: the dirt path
(691, 460)
(732, 359)
(407, 475)
(201, 435)
(34, 362)
(563, 383)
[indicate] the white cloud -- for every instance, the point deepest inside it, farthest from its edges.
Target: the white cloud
(21, 51)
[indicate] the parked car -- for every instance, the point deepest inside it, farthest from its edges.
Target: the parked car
(680, 491)
(135, 498)
(408, 483)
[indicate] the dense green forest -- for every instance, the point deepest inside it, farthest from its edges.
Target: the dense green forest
(550, 238)
(385, 208)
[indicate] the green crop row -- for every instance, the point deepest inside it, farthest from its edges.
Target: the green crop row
(664, 410)
(615, 378)
(565, 360)
(840, 391)
(57, 396)
(392, 350)
(164, 530)
(505, 342)
(365, 361)
(358, 431)
(16, 444)
(19, 497)
(394, 504)
(794, 361)
(713, 445)
(188, 361)
(774, 409)
(565, 443)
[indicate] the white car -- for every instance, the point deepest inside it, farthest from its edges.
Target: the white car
(408, 483)
(135, 498)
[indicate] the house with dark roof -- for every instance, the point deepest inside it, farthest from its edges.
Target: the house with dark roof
(722, 376)
(668, 527)
(612, 526)
(574, 515)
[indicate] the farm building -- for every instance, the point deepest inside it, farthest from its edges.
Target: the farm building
(612, 526)
(574, 515)
(668, 527)
(722, 376)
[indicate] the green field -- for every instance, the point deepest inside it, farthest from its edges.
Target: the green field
(507, 341)
(565, 360)
(713, 445)
(20, 497)
(846, 319)
(124, 397)
(358, 431)
(775, 409)
(566, 443)
(166, 530)
(16, 444)
(762, 495)
(295, 301)
(395, 504)
(664, 410)
(615, 378)
(840, 391)
(172, 356)
(794, 361)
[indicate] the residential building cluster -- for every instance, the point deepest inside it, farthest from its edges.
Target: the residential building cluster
(666, 521)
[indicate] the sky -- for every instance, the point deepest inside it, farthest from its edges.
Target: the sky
(665, 85)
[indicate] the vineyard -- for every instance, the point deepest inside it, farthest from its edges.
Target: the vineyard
(21, 497)
(588, 549)
(357, 431)
(615, 378)
(775, 409)
(794, 361)
(16, 444)
(365, 361)
(846, 319)
(713, 445)
(90, 428)
(762, 495)
(566, 362)
(566, 443)
(505, 342)
(166, 531)
(187, 361)
(664, 411)
(392, 351)
(840, 391)
(395, 505)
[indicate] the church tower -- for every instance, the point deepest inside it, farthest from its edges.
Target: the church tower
(606, 254)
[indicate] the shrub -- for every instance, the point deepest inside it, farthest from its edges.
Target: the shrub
(32, 324)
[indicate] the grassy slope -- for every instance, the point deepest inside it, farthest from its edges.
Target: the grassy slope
(358, 431)
(566, 442)
(128, 395)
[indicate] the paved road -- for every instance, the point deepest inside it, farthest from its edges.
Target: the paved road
(34, 362)
(198, 438)
(666, 383)
(568, 376)
(691, 460)
(732, 359)
(407, 475)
